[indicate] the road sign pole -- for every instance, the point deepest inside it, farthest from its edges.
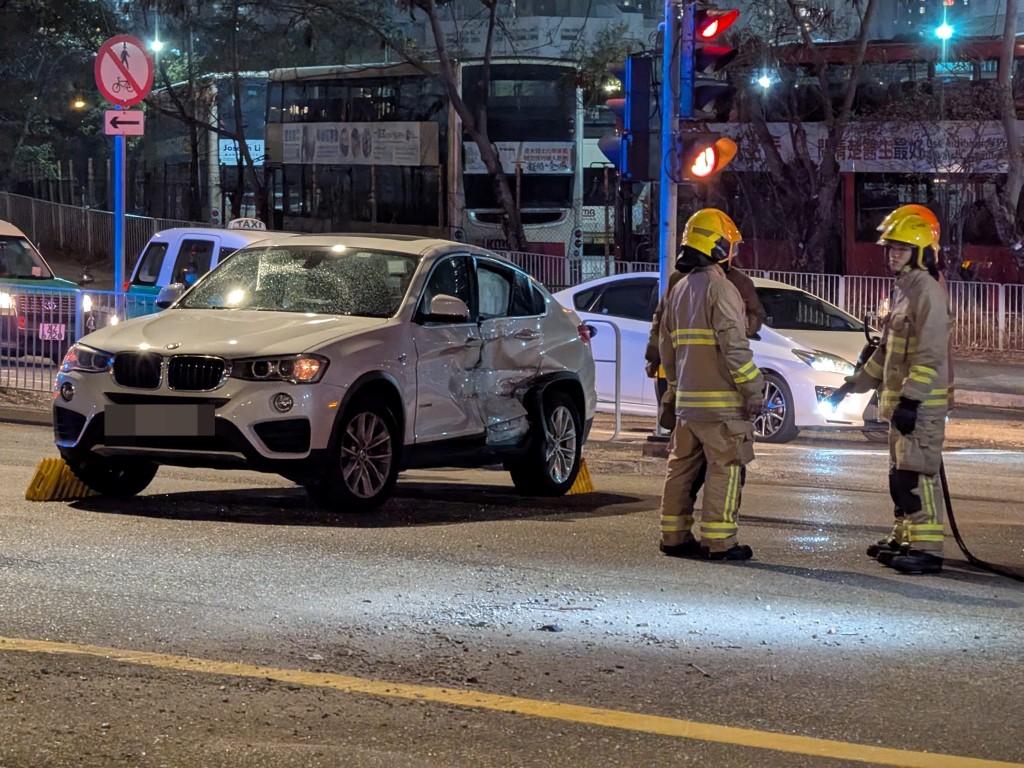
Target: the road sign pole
(119, 163)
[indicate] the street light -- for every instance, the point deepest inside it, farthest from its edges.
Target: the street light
(944, 31)
(156, 45)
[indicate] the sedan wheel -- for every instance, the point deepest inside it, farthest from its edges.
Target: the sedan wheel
(777, 424)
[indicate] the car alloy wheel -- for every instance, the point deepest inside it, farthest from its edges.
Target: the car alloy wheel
(552, 458)
(777, 423)
(366, 455)
(560, 443)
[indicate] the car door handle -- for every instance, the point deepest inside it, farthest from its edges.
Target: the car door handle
(528, 334)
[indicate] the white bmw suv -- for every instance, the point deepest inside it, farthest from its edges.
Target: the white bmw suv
(335, 361)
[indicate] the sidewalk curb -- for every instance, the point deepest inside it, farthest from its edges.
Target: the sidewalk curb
(989, 399)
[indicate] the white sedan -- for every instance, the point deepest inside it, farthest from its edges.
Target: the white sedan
(805, 349)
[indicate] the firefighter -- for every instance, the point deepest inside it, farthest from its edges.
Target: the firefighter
(717, 391)
(911, 370)
(755, 316)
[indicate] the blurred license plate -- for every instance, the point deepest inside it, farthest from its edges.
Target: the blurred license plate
(148, 420)
(51, 331)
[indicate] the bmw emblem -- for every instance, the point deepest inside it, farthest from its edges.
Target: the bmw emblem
(175, 345)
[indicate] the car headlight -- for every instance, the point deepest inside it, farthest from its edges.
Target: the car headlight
(86, 359)
(823, 361)
(6, 301)
(87, 303)
(296, 369)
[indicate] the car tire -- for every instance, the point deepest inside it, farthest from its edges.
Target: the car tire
(118, 477)
(363, 460)
(555, 450)
(876, 435)
(778, 422)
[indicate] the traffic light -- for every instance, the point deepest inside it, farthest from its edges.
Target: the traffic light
(700, 58)
(702, 154)
(629, 148)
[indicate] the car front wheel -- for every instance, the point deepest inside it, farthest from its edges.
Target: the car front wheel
(777, 424)
(363, 464)
(118, 477)
(552, 461)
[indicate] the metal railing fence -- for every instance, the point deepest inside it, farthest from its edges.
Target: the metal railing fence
(987, 316)
(56, 226)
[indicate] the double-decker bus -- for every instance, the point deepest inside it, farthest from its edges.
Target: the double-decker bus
(926, 129)
(381, 148)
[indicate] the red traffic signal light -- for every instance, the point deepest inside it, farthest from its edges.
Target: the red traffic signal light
(709, 23)
(699, 59)
(702, 155)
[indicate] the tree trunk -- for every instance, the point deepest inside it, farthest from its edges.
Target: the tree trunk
(1004, 207)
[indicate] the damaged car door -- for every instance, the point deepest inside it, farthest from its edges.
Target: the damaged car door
(511, 317)
(448, 348)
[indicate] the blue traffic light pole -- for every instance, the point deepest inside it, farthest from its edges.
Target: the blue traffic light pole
(667, 192)
(676, 102)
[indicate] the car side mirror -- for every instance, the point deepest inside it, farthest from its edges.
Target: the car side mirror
(86, 277)
(169, 294)
(447, 308)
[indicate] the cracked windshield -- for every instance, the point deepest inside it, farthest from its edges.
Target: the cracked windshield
(331, 280)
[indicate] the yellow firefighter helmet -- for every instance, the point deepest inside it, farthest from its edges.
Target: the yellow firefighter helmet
(916, 226)
(712, 233)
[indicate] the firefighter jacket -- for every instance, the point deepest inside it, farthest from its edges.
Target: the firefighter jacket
(913, 360)
(704, 348)
(751, 303)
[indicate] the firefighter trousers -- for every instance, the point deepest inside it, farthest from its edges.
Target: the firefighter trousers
(720, 450)
(914, 484)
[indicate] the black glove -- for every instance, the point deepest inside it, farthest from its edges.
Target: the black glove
(904, 418)
(839, 395)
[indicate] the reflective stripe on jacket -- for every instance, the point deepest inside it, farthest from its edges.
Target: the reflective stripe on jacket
(913, 358)
(704, 348)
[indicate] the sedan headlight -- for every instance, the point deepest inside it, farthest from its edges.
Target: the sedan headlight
(6, 301)
(296, 369)
(823, 361)
(87, 303)
(86, 359)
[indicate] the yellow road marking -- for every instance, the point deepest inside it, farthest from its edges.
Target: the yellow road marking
(552, 710)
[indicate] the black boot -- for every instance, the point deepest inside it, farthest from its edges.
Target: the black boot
(916, 561)
(886, 556)
(888, 544)
(736, 552)
(689, 548)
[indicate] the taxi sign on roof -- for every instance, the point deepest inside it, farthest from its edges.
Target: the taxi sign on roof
(246, 224)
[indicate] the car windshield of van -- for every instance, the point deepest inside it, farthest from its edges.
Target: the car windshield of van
(320, 279)
(791, 310)
(20, 261)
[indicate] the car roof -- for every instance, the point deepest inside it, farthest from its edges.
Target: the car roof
(412, 245)
(237, 237)
(759, 282)
(8, 229)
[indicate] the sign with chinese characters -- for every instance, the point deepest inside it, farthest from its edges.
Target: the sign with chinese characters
(943, 147)
(537, 157)
(355, 143)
